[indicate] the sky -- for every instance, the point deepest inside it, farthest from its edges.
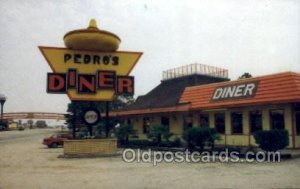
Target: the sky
(256, 36)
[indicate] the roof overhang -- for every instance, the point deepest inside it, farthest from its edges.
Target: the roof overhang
(178, 108)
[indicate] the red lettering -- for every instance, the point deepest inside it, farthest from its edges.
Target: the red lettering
(86, 83)
(56, 83)
(125, 85)
(89, 83)
(106, 80)
(72, 78)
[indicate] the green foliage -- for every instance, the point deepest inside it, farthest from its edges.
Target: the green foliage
(121, 102)
(272, 140)
(99, 131)
(123, 133)
(157, 132)
(30, 123)
(245, 75)
(200, 136)
(177, 142)
(41, 124)
(139, 143)
(150, 144)
(83, 132)
(76, 109)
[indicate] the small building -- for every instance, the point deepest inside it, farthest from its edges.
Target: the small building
(198, 95)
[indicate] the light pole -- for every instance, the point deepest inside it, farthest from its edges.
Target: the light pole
(2, 101)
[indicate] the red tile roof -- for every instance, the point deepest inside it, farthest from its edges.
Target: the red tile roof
(271, 89)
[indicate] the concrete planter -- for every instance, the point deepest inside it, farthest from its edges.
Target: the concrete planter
(90, 148)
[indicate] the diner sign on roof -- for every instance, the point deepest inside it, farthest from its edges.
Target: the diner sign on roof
(235, 91)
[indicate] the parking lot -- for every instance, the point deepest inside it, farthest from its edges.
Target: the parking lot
(26, 163)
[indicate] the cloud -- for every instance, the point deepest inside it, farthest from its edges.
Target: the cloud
(239, 36)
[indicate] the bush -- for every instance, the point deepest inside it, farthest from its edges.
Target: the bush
(140, 143)
(157, 132)
(123, 133)
(99, 131)
(83, 132)
(149, 143)
(198, 137)
(41, 124)
(177, 142)
(272, 140)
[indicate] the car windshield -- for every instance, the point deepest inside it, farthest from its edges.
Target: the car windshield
(60, 136)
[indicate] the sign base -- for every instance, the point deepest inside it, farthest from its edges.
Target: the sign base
(90, 148)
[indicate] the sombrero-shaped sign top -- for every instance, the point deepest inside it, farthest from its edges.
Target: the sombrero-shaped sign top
(90, 68)
(92, 39)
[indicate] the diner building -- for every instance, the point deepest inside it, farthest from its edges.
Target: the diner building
(198, 95)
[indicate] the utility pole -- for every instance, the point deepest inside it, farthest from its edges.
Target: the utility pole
(106, 119)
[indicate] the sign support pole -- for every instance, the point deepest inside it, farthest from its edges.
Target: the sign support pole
(106, 119)
(74, 124)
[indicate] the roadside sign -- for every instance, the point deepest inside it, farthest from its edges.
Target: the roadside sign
(91, 116)
(90, 75)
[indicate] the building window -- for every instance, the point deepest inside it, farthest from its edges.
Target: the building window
(237, 122)
(297, 120)
(220, 122)
(204, 120)
(187, 122)
(165, 121)
(128, 121)
(277, 119)
(255, 121)
(146, 125)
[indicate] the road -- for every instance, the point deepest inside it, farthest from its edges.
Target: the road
(25, 163)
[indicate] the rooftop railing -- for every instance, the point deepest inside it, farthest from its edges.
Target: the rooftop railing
(196, 68)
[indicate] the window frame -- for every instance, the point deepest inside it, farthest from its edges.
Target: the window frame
(215, 122)
(250, 122)
(271, 120)
(241, 124)
(166, 118)
(296, 130)
(146, 128)
(200, 118)
(187, 123)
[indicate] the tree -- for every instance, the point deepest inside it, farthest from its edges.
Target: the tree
(30, 123)
(121, 102)
(41, 124)
(245, 75)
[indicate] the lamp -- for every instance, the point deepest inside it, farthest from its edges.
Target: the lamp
(2, 101)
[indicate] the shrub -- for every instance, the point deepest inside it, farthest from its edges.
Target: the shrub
(200, 136)
(272, 140)
(140, 143)
(41, 124)
(123, 133)
(99, 130)
(149, 143)
(157, 132)
(83, 132)
(177, 142)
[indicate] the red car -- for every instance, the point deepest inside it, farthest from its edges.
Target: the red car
(56, 140)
